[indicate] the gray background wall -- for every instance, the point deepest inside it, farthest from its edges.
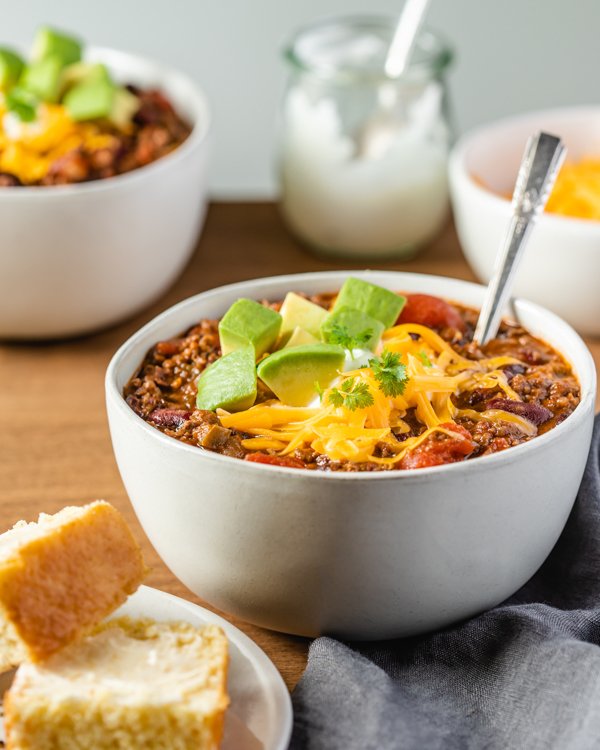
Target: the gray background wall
(512, 55)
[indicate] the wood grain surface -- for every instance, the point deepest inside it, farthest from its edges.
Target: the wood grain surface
(54, 443)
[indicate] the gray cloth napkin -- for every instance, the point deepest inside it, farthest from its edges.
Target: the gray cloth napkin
(523, 676)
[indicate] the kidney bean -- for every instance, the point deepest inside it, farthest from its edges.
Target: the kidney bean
(171, 419)
(535, 413)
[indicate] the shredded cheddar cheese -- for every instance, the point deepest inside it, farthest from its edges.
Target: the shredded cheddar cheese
(577, 190)
(376, 432)
(33, 147)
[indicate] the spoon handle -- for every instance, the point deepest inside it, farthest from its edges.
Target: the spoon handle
(543, 157)
(405, 37)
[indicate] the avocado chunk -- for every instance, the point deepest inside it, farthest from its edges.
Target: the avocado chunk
(11, 67)
(42, 78)
(90, 100)
(49, 43)
(125, 105)
(300, 337)
(292, 373)
(360, 328)
(82, 72)
(299, 312)
(229, 383)
(249, 322)
(22, 103)
(374, 300)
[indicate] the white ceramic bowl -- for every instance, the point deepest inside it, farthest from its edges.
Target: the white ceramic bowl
(561, 267)
(78, 257)
(373, 555)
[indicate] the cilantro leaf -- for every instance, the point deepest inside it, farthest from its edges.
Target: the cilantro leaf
(341, 336)
(352, 394)
(336, 398)
(390, 373)
(422, 355)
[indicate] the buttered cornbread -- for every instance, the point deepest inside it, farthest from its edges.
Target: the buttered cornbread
(60, 576)
(132, 685)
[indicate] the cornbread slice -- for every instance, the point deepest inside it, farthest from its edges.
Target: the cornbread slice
(132, 685)
(61, 576)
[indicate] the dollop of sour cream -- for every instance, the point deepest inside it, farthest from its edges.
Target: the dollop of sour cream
(354, 359)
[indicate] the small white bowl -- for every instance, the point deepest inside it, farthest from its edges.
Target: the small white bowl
(74, 258)
(561, 267)
(359, 555)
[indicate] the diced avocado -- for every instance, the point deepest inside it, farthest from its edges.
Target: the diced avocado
(249, 322)
(125, 105)
(42, 78)
(82, 72)
(49, 42)
(292, 373)
(357, 325)
(11, 67)
(90, 100)
(299, 312)
(22, 103)
(229, 383)
(374, 300)
(300, 337)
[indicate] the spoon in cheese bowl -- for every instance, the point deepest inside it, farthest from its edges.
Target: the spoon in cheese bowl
(543, 157)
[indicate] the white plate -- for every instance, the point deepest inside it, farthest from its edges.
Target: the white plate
(260, 714)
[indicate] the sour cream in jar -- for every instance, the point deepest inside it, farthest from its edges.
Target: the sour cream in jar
(362, 159)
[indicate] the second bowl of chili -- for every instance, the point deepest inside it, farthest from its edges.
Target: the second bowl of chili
(77, 257)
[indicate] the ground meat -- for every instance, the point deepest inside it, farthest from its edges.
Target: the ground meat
(9, 180)
(163, 392)
(491, 437)
(416, 427)
(73, 167)
(167, 379)
(269, 458)
(156, 131)
(476, 399)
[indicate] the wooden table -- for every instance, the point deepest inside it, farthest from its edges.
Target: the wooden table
(54, 443)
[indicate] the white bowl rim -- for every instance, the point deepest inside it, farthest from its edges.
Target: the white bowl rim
(456, 164)
(587, 381)
(198, 134)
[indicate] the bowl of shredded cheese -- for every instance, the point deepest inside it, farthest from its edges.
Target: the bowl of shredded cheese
(561, 266)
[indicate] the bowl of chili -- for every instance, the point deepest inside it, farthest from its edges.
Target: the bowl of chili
(106, 230)
(454, 506)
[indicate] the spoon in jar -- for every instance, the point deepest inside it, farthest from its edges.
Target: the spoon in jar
(543, 157)
(377, 133)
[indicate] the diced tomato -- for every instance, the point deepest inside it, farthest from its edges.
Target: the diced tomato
(268, 458)
(440, 448)
(430, 311)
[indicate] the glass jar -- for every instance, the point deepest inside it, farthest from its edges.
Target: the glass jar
(362, 157)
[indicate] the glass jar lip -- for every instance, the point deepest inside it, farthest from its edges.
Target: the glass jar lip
(438, 51)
